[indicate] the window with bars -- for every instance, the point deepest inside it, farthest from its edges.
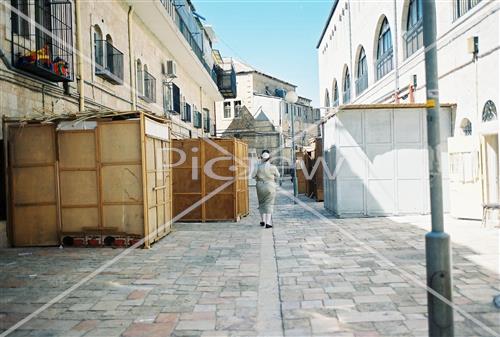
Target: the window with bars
(149, 87)
(108, 59)
(384, 63)
(362, 73)
(463, 6)
(42, 38)
(489, 111)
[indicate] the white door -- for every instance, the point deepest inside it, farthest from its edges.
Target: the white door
(490, 160)
(465, 177)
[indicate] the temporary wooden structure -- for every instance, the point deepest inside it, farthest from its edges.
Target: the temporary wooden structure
(89, 181)
(301, 178)
(210, 179)
(312, 157)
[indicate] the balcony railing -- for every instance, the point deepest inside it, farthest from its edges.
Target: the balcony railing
(226, 81)
(108, 62)
(43, 44)
(189, 36)
(149, 88)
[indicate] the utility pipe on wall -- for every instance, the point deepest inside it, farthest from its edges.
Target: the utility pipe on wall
(396, 54)
(79, 50)
(133, 96)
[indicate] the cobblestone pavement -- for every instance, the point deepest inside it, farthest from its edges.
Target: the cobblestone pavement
(307, 276)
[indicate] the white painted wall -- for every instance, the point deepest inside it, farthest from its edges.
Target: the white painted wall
(468, 84)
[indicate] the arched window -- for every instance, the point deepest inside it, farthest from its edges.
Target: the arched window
(335, 94)
(489, 111)
(98, 49)
(414, 36)
(361, 73)
(466, 127)
(327, 98)
(346, 87)
(384, 50)
(139, 78)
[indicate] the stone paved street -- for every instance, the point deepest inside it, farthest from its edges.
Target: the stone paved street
(311, 275)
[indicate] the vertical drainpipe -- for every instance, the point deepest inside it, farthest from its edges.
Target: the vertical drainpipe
(79, 50)
(396, 53)
(351, 70)
(133, 97)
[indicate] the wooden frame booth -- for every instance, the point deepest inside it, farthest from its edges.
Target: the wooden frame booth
(211, 177)
(89, 182)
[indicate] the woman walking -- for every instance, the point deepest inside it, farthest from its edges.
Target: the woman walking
(266, 175)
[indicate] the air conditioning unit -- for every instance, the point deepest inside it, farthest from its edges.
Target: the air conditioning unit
(171, 70)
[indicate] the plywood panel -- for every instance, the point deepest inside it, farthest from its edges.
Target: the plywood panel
(78, 188)
(77, 149)
(185, 153)
(121, 183)
(120, 141)
(126, 218)
(35, 226)
(214, 211)
(32, 144)
(74, 220)
(180, 204)
(34, 185)
(183, 181)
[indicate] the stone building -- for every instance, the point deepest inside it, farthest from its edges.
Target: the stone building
(79, 56)
(260, 115)
(372, 52)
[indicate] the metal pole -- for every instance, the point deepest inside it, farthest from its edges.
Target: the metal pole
(295, 190)
(437, 242)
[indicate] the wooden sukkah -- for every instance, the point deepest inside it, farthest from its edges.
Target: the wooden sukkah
(94, 178)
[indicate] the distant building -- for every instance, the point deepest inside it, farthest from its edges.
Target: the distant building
(260, 115)
(372, 52)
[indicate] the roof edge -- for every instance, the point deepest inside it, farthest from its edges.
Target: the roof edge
(327, 22)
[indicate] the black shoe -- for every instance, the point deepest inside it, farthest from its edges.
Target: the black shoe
(269, 226)
(262, 223)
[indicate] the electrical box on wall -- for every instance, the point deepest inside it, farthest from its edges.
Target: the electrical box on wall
(473, 44)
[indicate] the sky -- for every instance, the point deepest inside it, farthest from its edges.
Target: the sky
(277, 37)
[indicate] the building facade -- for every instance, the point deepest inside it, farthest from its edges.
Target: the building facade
(260, 115)
(372, 52)
(94, 56)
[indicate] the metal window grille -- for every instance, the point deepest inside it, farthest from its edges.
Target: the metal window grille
(149, 87)
(167, 98)
(489, 112)
(42, 38)
(109, 62)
